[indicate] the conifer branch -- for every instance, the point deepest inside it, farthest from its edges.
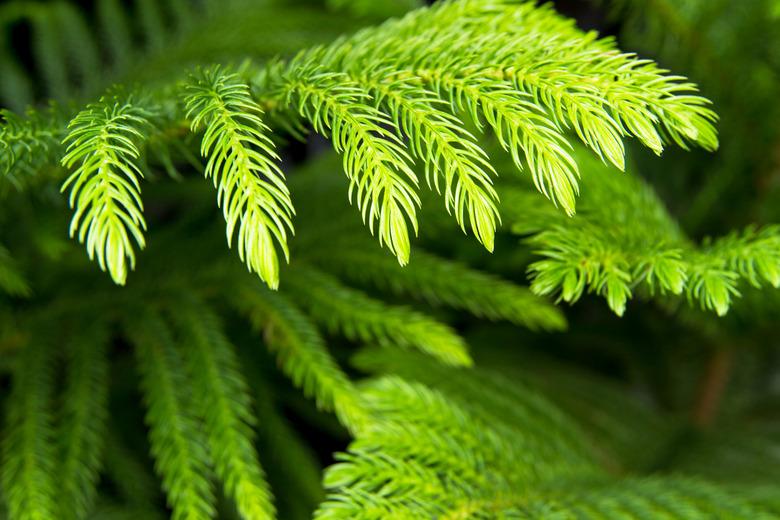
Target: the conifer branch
(375, 162)
(105, 191)
(440, 282)
(174, 433)
(361, 318)
(222, 401)
(302, 354)
(29, 458)
(243, 165)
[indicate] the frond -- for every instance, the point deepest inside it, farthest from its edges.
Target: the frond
(625, 241)
(361, 318)
(381, 181)
(82, 428)
(243, 165)
(403, 89)
(535, 76)
(430, 448)
(175, 435)
(221, 399)
(509, 402)
(29, 458)
(302, 353)
(441, 282)
(453, 160)
(104, 189)
(29, 142)
(430, 456)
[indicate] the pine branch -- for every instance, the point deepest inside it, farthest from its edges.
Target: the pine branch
(450, 153)
(374, 160)
(243, 165)
(430, 448)
(361, 318)
(174, 433)
(302, 354)
(536, 78)
(512, 407)
(625, 242)
(104, 189)
(221, 399)
(29, 458)
(440, 282)
(425, 446)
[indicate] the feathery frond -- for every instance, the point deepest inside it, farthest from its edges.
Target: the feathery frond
(221, 399)
(451, 155)
(439, 281)
(415, 78)
(430, 447)
(535, 422)
(625, 241)
(177, 443)
(105, 191)
(29, 458)
(361, 318)
(243, 165)
(415, 455)
(302, 353)
(381, 180)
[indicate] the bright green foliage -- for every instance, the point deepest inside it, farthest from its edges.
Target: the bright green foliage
(438, 281)
(104, 190)
(542, 429)
(242, 163)
(367, 90)
(427, 444)
(360, 318)
(29, 456)
(176, 439)
(624, 241)
(381, 179)
(302, 354)
(446, 387)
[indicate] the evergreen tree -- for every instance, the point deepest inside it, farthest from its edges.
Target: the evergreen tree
(489, 264)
